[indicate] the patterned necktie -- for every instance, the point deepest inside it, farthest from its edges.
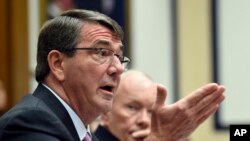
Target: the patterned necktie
(87, 137)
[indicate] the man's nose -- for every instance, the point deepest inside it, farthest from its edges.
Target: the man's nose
(144, 119)
(116, 67)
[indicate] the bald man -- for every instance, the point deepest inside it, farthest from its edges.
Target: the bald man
(130, 117)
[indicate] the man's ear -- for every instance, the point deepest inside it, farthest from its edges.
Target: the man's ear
(55, 61)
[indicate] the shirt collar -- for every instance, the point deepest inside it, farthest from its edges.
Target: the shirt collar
(80, 127)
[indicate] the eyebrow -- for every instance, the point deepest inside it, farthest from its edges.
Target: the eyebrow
(105, 42)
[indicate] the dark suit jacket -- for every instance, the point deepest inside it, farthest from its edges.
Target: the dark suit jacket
(104, 135)
(38, 117)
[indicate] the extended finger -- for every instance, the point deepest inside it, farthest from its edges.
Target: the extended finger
(211, 107)
(196, 96)
(161, 96)
(211, 100)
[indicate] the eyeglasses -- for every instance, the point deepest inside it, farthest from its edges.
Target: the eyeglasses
(104, 55)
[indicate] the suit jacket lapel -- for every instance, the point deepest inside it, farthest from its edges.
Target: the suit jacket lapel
(55, 105)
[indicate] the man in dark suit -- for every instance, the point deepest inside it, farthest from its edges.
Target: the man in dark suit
(79, 63)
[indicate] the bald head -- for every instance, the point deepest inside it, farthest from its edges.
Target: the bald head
(134, 81)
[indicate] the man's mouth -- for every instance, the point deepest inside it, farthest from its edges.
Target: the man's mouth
(108, 88)
(108, 92)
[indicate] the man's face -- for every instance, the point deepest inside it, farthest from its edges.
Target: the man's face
(90, 83)
(131, 109)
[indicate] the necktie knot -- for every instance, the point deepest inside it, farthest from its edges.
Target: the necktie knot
(87, 137)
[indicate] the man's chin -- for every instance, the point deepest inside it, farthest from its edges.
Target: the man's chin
(106, 107)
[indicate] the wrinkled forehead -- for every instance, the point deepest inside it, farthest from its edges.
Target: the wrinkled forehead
(116, 35)
(136, 90)
(94, 33)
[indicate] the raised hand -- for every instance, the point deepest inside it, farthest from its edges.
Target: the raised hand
(177, 121)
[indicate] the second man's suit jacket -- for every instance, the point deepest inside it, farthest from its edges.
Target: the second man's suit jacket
(104, 134)
(38, 117)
